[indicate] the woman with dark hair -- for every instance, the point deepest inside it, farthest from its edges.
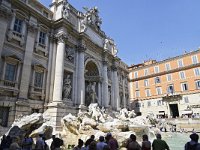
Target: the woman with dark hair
(146, 144)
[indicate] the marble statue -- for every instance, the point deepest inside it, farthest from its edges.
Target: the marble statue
(95, 121)
(91, 18)
(65, 10)
(91, 96)
(67, 87)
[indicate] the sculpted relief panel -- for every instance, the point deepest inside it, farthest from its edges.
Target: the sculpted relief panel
(69, 54)
(67, 86)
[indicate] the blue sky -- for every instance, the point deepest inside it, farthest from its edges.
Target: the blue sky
(148, 29)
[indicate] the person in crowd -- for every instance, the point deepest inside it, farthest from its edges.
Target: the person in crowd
(87, 143)
(193, 144)
(52, 147)
(8, 142)
(93, 145)
(101, 143)
(112, 142)
(46, 147)
(146, 144)
(132, 144)
(27, 143)
(106, 147)
(159, 144)
(40, 143)
(3, 143)
(58, 143)
(129, 140)
(15, 144)
(80, 145)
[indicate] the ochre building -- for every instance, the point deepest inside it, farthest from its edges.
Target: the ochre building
(168, 88)
(56, 59)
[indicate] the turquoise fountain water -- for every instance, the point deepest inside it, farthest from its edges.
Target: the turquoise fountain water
(176, 141)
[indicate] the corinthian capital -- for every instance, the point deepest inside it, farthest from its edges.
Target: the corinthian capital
(61, 37)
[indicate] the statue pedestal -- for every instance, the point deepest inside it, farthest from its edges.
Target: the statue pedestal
(57, 110)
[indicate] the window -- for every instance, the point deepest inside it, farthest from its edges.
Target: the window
(157, 80)
(184, 86)
(10, 72)
(38, 79)
(135, 74)
(156, 69)
(170, 89)
(146, 72)
(18, 25)
(146, 82)
(159, 90)
(42, 38)
(137, 94)
(180, 63)
(167, 66)
(195, 59)
(186, 99)
(197, 84)
(148, 93)
(149, 103)
(169, 77)
(136, 84)
(159, 102)
(196, 71)
(4, 113)
(137, 105)
(182, 75)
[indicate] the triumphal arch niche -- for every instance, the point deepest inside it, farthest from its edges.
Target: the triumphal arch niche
(92, 83)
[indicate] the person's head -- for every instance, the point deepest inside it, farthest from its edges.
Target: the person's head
(109, 135)
(44, 138)
(40, 135)
(101, 138)
(92, 137)
(80, 143)
(194, 137)
(145, 137)
(158, 136)
(133, 137)
(53, 137)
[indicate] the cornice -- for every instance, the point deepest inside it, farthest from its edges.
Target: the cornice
(166, 60)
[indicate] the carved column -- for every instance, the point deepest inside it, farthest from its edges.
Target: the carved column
(105, 84)
(99, 93)
(50, 72)
(81, 79)
(123, 88)
(59, 68)
(116, 88)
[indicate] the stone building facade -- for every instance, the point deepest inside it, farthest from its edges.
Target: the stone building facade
(56, 59)
(167, 88)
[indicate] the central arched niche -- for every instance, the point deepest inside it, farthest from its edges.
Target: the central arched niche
(92, 80)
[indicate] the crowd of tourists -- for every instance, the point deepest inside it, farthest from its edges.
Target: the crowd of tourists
(103, 143)
(8, 143)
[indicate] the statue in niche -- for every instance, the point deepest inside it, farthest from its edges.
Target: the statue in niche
(65, 9)
(91, 96)
(67, 87)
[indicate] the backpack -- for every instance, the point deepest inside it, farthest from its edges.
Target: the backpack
(191, 147)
